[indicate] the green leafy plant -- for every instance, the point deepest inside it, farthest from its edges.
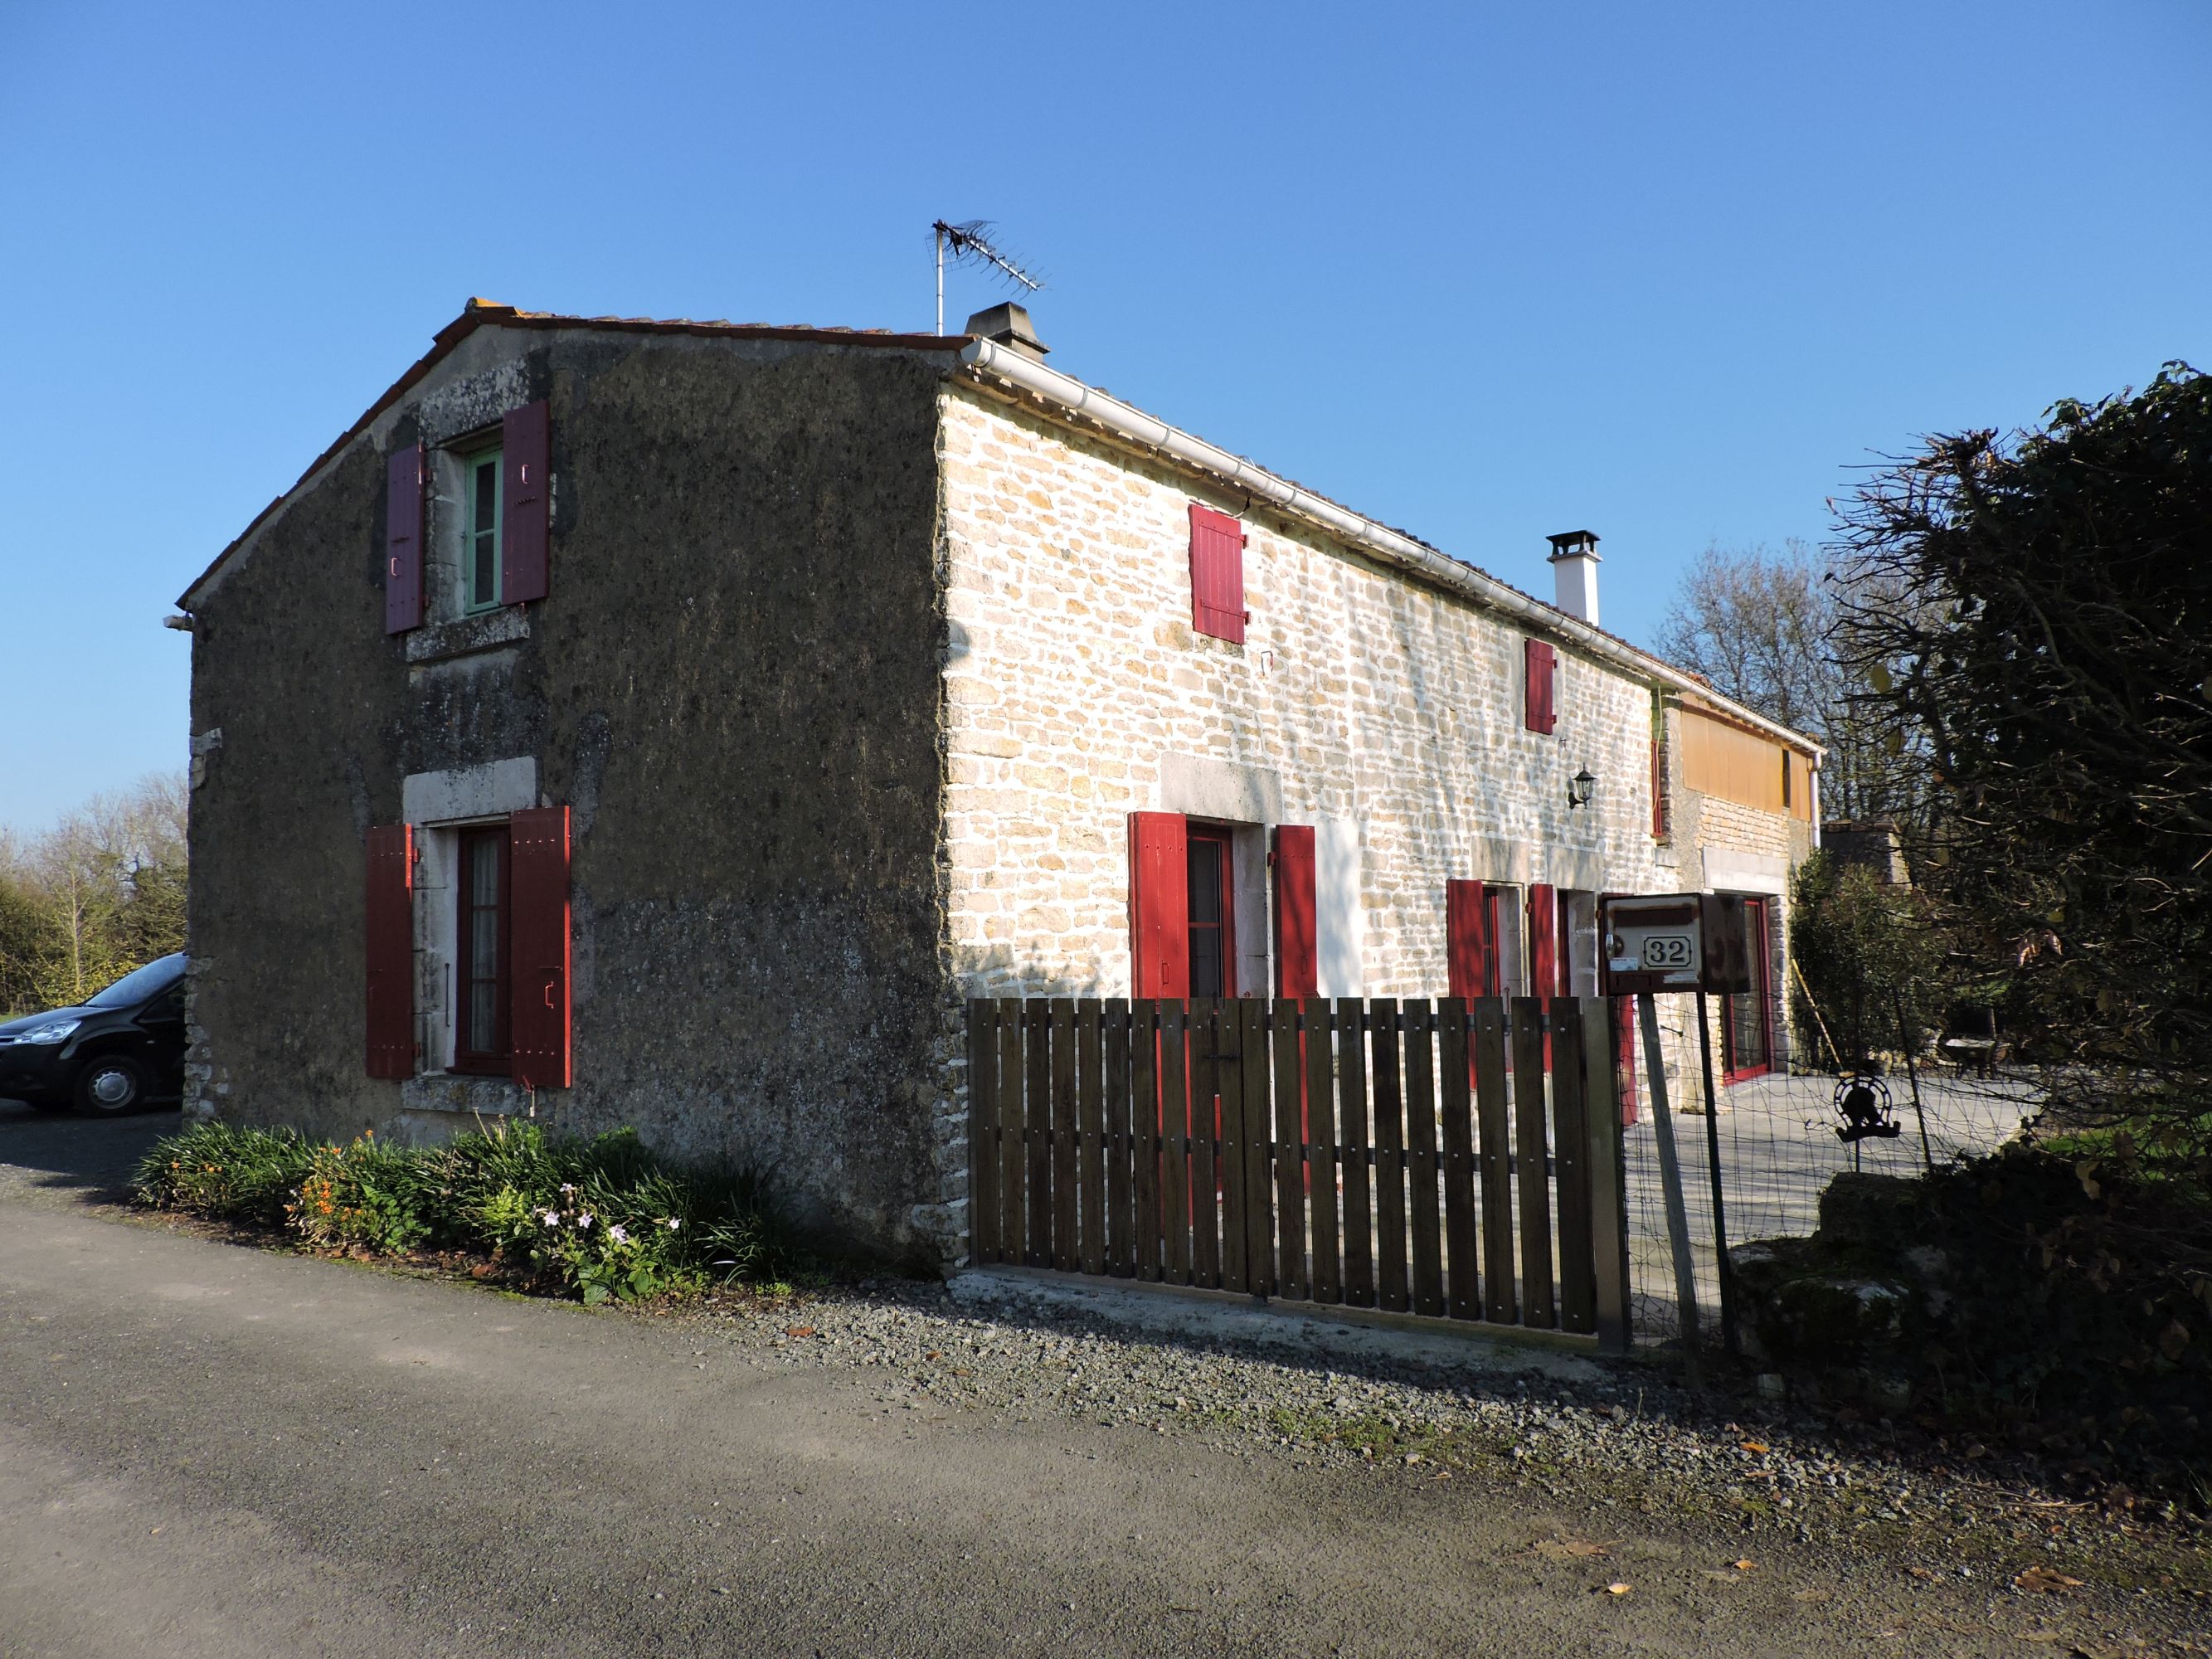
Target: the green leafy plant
(225, 1172)
(367, 1196)
(602, 1218)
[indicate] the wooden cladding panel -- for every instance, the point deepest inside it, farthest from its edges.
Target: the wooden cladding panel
(1726, 761)
(1353, 1151)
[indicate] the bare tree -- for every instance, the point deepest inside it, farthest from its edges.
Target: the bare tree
(1768, 630)
(100, 893)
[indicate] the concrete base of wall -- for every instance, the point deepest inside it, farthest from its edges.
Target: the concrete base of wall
(1295, 1330)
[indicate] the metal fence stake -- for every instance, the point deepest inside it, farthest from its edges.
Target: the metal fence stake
(1912, 1076)
(1713, 1163)
(1670, 1180)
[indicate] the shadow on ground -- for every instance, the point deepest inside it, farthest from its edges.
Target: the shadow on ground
(87, 1158)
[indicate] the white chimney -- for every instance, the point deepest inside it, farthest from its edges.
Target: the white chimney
(1574, 568)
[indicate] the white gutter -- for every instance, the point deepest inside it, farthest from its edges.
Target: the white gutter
(1071, 395)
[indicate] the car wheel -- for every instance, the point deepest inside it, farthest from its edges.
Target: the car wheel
(110, 1085)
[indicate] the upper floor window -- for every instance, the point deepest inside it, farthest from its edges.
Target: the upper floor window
(480, 555)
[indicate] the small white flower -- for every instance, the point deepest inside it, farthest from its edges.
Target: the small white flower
(617, 1234)
(583, 1218)
(673, 1224)
(567, 1186)
(550, 1218)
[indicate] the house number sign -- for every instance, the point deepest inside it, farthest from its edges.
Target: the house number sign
(1672, 942)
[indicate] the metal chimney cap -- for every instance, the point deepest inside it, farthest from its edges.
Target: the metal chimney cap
(1574, 544)
(1008, 324)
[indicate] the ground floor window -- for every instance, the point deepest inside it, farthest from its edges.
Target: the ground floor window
(1212, 912)
(1746, 1017)
(481, 954)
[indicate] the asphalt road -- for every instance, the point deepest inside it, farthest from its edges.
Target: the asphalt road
(207, 1450)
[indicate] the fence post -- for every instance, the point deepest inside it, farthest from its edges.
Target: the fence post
(1670, 1183)
(1720, 1201)
(1608, 1178)
(982, 1133)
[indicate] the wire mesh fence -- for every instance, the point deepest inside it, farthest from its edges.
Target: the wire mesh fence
(1776, 1136)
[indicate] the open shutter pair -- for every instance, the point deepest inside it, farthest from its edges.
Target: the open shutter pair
(1217, 575)
(1159, 907)
(1541, 703)
(538, 1009)
(525, 525)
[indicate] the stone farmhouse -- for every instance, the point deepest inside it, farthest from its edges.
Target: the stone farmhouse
(671, 724)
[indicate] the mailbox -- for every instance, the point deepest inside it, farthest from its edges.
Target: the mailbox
(1673, 942)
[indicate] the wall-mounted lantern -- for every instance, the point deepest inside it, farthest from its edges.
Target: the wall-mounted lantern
(1579, 788)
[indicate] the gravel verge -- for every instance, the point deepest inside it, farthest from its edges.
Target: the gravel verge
(1623, 1438)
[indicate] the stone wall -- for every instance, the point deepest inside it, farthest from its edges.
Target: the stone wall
(1361, 700)
(733, 684)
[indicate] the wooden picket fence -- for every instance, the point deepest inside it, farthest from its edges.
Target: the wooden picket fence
(1459, 1159)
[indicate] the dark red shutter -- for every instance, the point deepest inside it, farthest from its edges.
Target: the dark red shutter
(1160, 905)
(1543, 939)
(526, 502)
(1540, 661)
(1297, 956)
(1470, 941)
(1543, 947)
(402, 540)
(1565, 936)
(537, 933)
(1624, 1031)
(1217, 574)
(390, 951)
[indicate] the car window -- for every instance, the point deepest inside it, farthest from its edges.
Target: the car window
(140, 984)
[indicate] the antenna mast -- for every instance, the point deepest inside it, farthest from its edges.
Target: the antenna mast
(972, 242)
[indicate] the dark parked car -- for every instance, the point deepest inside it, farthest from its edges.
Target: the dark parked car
(117, 1051)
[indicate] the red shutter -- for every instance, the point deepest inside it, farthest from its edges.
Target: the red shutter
(1565, 936)
(1298, 958)
(538, 932)
(1470, 941)
(1217, 575)
(1624, 1031)
(526, 502)
(402, 540)
(391, 947)
(1540, 661)
(1543, 947)
(1543, 939)
(1160, 905)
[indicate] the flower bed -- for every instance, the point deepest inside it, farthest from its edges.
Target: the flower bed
(597, 1219)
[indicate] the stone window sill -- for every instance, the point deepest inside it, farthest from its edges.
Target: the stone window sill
(484, 1096)
(486, 631)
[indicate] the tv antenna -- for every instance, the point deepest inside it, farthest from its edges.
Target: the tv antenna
(971, 243)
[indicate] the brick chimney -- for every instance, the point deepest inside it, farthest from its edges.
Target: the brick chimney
(1574, 569)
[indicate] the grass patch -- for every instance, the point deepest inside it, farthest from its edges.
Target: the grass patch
(599, 1220)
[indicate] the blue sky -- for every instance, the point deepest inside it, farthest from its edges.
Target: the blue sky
(1671, 273)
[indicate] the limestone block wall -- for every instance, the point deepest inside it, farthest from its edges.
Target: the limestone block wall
(1387, 711)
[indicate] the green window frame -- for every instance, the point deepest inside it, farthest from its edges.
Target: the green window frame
(481, 528)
